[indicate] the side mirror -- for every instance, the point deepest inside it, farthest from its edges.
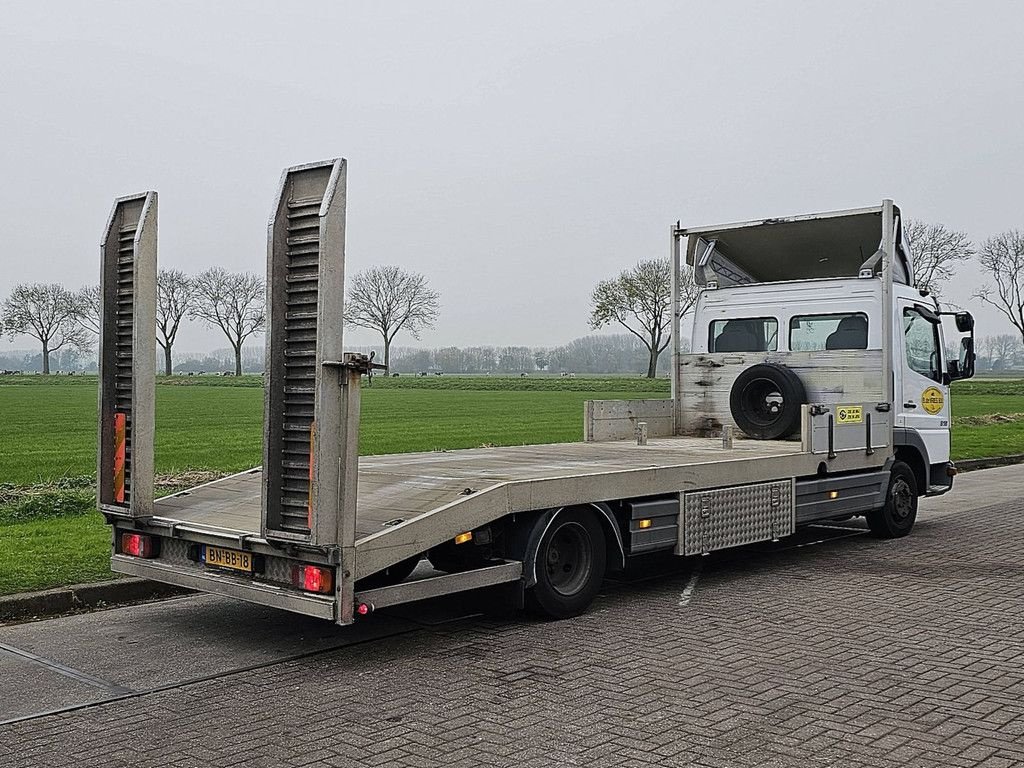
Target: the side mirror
(964, 322)
(965, 364)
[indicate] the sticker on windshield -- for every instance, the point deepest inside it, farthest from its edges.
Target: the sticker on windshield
(932, 400)
(849, 414)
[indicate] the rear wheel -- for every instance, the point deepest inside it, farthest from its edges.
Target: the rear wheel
(570, 565)
(896, 517)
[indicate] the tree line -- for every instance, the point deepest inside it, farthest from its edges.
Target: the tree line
(606, 353)
(390, 300)
(386, 299)
(62, 319)
(611, 353)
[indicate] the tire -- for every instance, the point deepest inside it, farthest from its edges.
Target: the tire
(391, 575)
(765, 401)
(895, 519)
(570, 563)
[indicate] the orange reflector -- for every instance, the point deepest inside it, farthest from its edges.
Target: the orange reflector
(462, 538)
(119, 454)
(645, 523)
(309, 498)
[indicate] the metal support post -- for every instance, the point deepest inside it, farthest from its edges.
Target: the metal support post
(888, 339)
(674, 377)
(641, 433)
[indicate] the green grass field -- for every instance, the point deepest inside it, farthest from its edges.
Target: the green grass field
(50, 535)
(50, 428)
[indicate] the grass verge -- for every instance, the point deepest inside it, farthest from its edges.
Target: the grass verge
(43, 553)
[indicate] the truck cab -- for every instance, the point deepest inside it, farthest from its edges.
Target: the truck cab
(800, 294)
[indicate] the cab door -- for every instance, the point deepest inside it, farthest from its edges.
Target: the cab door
(923, 404)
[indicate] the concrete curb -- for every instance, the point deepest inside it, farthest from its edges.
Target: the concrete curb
(969, 465)
(82, 597)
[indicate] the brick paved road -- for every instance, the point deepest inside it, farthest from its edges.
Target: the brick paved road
(850, 653)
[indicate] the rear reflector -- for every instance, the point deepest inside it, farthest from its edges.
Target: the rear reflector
(313, 578)
(137, 545)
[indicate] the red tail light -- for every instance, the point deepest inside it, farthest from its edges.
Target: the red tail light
(137, 545)
(313, 578)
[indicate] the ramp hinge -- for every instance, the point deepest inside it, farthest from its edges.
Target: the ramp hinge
(354, 362)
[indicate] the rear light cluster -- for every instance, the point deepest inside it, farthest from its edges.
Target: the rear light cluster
(138, 545)
(313, 578)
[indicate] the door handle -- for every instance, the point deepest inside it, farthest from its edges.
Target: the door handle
(910, 405)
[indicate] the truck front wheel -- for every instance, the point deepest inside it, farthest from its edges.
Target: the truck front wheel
(570, 565)
(896, 517)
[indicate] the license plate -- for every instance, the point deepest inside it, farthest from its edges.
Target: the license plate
(229, 558)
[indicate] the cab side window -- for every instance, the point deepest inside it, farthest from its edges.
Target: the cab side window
(810, 333)
(921, 341)
(748, 334)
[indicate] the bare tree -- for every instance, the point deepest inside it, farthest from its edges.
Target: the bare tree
(640, 300)
(90, 305)
(1004, 350)
(982, 352)
(1002, 257)
(937, 251)
(47, 313)
(235, 302)
(175, 295)
(388, 300)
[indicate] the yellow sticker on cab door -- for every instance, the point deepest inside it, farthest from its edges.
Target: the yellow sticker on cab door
(932, 400)
(849, 414)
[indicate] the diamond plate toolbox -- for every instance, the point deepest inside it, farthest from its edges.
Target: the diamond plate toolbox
(740, 514)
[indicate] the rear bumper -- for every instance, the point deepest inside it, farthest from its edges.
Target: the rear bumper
(229, 585)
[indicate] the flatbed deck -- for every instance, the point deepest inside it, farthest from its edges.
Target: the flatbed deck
(400, 487)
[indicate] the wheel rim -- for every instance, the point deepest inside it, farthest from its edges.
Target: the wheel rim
(569, 559)
(902, 499)
(762, 402)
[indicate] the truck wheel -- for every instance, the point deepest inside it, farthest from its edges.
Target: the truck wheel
(765, 401)
(896, 517)
(570, 565)
(393, 574)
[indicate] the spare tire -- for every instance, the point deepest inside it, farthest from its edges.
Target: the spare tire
(765, 401)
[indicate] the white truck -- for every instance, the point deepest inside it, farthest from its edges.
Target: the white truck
(817, 388)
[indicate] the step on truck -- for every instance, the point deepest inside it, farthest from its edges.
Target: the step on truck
(816, 389)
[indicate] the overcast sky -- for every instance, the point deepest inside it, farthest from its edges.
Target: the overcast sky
(514, 152)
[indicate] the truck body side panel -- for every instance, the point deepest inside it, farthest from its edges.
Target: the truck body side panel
(831, 377)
